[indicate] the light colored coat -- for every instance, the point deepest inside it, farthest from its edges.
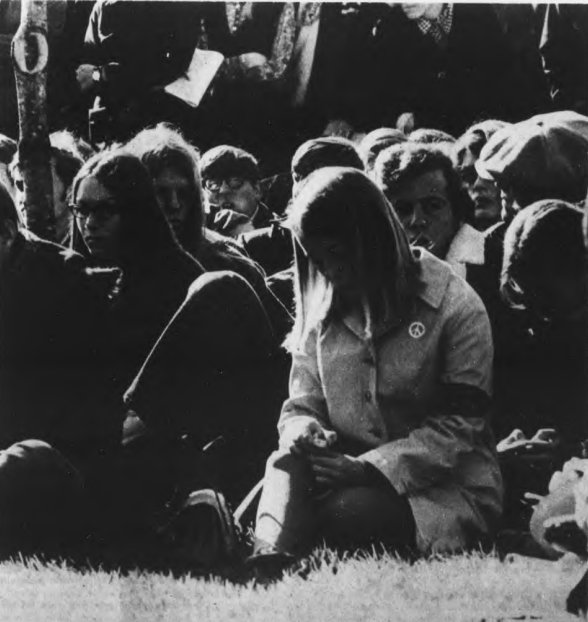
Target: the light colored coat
(382, 391)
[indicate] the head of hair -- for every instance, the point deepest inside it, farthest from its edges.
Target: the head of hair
(430, 136)
(322, 152)
(402, 164)
(344, 204)
(8, 212)
(68, 141)
(65, 157)
(475, 137)
(163, 147)
(376, 141)
(543, 237)
(145, 233)
(8, 148)
(225, 161)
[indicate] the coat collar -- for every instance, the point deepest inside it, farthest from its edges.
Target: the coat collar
(467, 247)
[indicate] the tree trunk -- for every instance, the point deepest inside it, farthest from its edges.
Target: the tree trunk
(30, 53)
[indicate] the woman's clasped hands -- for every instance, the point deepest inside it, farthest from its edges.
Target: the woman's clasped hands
(331, 469)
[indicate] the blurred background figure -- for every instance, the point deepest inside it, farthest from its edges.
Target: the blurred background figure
(484, 193)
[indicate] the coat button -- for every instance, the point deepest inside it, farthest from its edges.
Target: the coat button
(368, 396)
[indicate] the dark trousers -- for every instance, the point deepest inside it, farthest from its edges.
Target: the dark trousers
(211, 374)
(292, 517)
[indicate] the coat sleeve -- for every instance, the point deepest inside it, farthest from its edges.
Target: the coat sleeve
(307, 399)
(457, 425)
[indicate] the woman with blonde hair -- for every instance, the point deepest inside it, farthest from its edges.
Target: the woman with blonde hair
(385, 435)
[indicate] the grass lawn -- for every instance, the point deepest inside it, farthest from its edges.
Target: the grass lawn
(373, 588)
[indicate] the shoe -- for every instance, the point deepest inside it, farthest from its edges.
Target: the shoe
(202, 534)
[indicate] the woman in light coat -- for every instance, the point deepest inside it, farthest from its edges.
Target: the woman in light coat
(385, 436)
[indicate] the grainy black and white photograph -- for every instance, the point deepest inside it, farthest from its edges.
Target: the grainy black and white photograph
(293, 311)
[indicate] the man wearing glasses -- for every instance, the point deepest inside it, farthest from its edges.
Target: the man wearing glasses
(231, 177)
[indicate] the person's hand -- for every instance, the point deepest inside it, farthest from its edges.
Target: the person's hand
(252, 59)
(338, 127)
(571, 471)
(302, 436)
(84, 76)
(544, 441)
(231, 223)
(335, 470)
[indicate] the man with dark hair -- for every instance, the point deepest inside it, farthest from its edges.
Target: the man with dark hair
(375, 142)
(53, 385)
(230, 177)
(424, 188)
(65, 164)
(320, 153)
(540, 388)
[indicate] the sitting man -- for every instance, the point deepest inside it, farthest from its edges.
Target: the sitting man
(54, 385)
(231, 177)
(545, 270)
(425, 189)
(540, 395)
(173, 165)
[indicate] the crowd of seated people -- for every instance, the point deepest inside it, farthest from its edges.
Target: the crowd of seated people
(393, 326)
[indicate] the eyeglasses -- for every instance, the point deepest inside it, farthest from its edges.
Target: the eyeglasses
(99, 211)
(233, 183)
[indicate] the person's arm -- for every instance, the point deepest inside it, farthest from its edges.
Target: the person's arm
(306, 406)
(457, 424)
(261, 66)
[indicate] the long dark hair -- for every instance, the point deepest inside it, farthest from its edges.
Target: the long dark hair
(163, 147)
(343, 203)
(146, 234)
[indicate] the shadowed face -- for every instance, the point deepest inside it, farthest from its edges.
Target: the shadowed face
(483, 192)
(98, 219)
(60, 209)
(336, 261)
(175, 195)
(424, 209)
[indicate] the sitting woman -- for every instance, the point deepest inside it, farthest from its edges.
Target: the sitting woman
(385, 436)
(197, 347)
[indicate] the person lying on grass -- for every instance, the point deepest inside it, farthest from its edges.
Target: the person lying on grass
(385, 436)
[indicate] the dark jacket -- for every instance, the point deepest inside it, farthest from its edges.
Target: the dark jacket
(218, 253)
(142, 45)
(447, 87)
(142, 303)
(53, 383)
(271, 247)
